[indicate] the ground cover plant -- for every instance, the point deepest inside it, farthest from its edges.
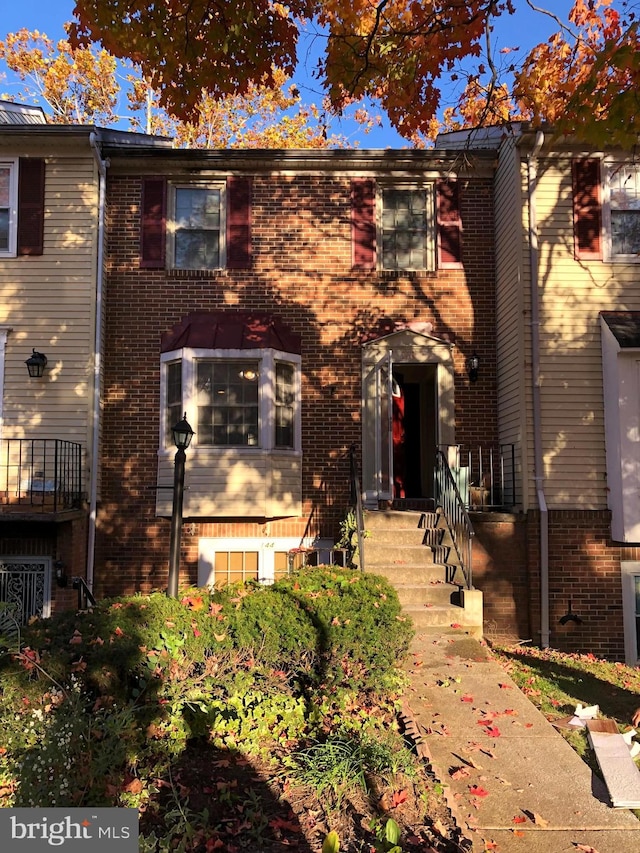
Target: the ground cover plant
(251, 718)
(556, 682)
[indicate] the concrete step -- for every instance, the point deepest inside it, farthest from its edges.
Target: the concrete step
(408, 573)
(426, 594)
(440, 616)
(386, 553)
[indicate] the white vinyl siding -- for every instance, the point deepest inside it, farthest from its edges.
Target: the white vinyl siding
(49, 303)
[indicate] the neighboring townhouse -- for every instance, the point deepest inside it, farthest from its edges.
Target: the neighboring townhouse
(285, 300)
(51, 297)
(568, 359)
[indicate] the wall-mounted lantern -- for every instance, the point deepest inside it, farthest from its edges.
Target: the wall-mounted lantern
(36, 364)
(473, 363)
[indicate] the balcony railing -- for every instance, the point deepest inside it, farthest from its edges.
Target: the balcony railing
(40, 474)
(485, 476)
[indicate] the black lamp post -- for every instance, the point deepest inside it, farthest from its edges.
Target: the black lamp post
(182, 435)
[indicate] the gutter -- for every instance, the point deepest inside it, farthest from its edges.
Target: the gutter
(97, 359)
(532, 166)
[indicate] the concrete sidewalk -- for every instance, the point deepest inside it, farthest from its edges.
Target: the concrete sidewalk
(512, 781)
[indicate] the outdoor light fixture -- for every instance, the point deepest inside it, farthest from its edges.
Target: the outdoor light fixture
(570, 616)
(36, 364)
(473, 363)
(182, 435)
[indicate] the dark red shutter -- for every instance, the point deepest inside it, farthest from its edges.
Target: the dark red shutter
(449, 224)
(363, 223)
(238, 223)
(31, 206)
(587, 209)
(153, 223)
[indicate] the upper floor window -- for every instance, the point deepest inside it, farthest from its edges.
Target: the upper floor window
(624, 209)
(8, 206)
(196, 232)
(406, 226)
(196, 226)
(404, 235)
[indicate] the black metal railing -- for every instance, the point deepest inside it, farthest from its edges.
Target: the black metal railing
(485, 476)
(42, 474)
(449, 500)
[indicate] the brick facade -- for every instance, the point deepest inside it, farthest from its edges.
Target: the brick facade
(302, 272)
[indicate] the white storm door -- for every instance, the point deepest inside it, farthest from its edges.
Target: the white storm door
(383, 409)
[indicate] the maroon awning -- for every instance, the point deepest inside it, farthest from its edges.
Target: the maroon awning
(230, 330)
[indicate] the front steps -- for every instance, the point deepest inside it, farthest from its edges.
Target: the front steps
(410, 549)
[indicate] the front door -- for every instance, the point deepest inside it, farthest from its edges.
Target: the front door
(407, 410)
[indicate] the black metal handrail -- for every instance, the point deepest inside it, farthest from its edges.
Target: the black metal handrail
(43, 473)
(356, 502)
(449, 501)
(85, 596)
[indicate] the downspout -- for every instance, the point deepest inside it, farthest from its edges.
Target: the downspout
(97, 360)
(532, 163)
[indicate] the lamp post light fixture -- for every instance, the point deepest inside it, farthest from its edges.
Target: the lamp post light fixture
(473, 363)
(36, 364)
(182, 435)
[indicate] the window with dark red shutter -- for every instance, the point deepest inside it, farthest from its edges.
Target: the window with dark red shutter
(238, 223)
(363, 223)
(587, 209)
(31, 172)
(153, 223)
(449, 224)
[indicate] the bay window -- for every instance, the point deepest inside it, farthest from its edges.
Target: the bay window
(235, 398)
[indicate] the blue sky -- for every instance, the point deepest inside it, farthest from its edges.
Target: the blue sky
(523, 31)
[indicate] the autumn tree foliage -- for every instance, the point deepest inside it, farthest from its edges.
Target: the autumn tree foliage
(396, 52)
(79, 85)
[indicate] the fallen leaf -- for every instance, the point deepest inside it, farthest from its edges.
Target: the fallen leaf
(505, 686)
(519, 818)
(459, 772)
(397, 798)
(586, 848)
(518, 833)
(478, 791)
(466, 698)
(493, 731)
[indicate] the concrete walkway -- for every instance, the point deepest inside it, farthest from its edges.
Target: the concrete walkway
(513, 783)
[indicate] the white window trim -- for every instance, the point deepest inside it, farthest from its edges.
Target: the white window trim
(171, 218)
(11, 251)
(610, 166)
(629, 569)
(266, 396)
(429, 188)
(266, 548)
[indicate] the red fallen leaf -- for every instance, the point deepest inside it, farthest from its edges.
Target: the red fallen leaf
(490, 845)
(119, 632)
(518, 833)
(466, 698)
(478, 791)
(509, 712)
(279, 823)
(493, 731)
(397, 798)
(519, 819)
(213, 844)
(528, 725)
(505, 686)
(456, 625)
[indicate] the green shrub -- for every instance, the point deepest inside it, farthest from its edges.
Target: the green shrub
(125, 686)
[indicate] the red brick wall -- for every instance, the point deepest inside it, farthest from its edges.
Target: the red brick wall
(301, 234)
(584, 569)
(500, 571)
